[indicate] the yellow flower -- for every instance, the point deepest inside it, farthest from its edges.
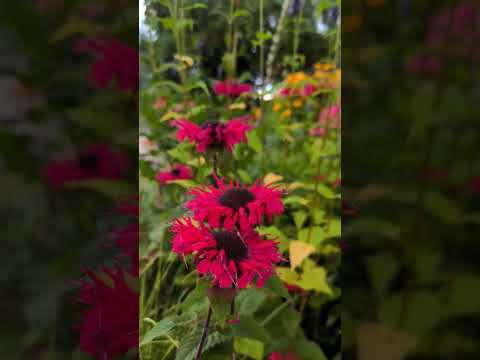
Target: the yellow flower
(287, 113)
(298, 103)
(297, 77)
(277, 107)
(324, 66)
(257, 113)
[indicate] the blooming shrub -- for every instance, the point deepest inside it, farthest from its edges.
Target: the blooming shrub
(239, 255)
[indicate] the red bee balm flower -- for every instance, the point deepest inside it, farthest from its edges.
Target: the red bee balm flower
(177, 172)
(115, 61)
(94, 162)
(212, 135)
(232, 258)
(231, 88)
(109, 325)
(228, 205)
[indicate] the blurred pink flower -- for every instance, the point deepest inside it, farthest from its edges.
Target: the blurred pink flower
(109, 324)
(94, 162)
(329, 117)
(115, 61)
(231, 88)
(177, 172)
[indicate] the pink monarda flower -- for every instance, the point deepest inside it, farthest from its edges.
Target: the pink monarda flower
(94, 162)
(177, 172)
(212, 135)
(231, 88)
(109, 325)
(329, 117)
(287, 356)
(114, 61)
(228, 205)
(231, 258)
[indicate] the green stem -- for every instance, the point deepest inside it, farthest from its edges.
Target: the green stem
(204, 333)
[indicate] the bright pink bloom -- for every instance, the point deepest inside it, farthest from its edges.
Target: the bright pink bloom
(95, 162)
(329, 117)
(177, 172)
(285, 92)
(109, 325)
(212, 135)
(231, 258)
(308, 90)
(114, 61)
(228, 205)
(231, 88)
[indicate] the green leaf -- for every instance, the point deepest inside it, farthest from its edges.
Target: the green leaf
(334, 229)
(254, 141)
(221, 308)
(308, 350)
(250, 347)
(291, 320)
(162, 328)
(314, 235)
(189, 345)
(276, 285)
(299, 218)
(198, 85)
(195, 6)
(248, 301)
(249, 327)
(197, 299)
(442, 207)
(186, 184)
(381, 269)
(240, 13)
(315, 278)
(326, 192)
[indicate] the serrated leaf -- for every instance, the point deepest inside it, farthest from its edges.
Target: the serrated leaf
(299, 250)
(249, 347)
(248, 301)
(249, 327)
(291, 320)
(189, 345)
(162, 328)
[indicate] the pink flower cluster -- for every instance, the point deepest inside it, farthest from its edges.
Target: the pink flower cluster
(330, 117)
(231, 88)
(212, 135)
(449, 28)
(115, 61)
(109, 322)
(306, 91)
(96, 161)
(177, 172)
(222, 237)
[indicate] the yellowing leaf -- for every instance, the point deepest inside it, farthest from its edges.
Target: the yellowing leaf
(315, 279)
(271, 178)
(295, 185)
(169, 116)
(187, 60)
(238, 106)
(287, 275)
(298, 252)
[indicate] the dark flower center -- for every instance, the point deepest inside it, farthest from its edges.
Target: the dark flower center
(176, 172)
(231, 243)
(236, 198)
(216, 141)
(88, 161)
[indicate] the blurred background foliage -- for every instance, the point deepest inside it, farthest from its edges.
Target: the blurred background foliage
(50, 111)
(410, 170)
